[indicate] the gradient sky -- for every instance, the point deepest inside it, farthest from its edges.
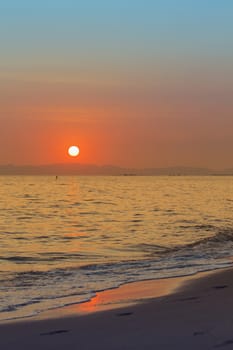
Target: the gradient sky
(135, 83)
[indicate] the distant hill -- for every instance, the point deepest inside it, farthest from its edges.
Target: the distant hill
(91, 169)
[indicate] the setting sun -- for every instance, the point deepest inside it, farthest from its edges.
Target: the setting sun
(73, 151)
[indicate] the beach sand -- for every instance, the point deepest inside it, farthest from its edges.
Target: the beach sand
(194, 312)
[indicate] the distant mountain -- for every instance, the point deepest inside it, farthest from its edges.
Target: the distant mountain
(60, 169)
(228, 171)
(91, 169)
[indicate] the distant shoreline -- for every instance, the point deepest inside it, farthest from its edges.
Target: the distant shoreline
(119, 175)
(107, 170)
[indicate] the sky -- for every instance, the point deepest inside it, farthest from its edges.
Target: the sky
(133, 83)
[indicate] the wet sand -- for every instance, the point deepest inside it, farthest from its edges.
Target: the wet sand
(194, 312)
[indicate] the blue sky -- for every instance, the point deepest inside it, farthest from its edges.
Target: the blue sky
(179, 28)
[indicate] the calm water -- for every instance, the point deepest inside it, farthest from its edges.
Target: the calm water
(62, 240)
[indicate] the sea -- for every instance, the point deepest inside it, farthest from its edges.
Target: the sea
(64, 239)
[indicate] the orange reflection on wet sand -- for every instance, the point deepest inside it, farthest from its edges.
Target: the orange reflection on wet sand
(128, 294)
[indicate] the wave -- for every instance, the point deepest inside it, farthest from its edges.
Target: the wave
(220, 240)
(222, 236)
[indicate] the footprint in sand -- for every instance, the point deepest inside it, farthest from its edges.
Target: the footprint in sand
(220, 287)
(188, 299)
(59, 331)
(198, 333)
(125, 314)
(225, 343)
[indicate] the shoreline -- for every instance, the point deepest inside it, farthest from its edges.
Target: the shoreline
(175, 313)
(128, 294)
(131, 293)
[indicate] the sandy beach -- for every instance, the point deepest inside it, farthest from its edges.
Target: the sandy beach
(194, 312)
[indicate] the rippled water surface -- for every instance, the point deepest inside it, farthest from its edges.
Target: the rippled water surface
(62, 240)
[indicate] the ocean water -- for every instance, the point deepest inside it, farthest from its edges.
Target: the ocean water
(63, 240)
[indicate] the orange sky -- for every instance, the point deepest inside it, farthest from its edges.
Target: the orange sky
(131, 86)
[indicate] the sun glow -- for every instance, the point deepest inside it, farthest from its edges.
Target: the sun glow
(73, 151)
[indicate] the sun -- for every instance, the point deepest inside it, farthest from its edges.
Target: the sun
(73, 151)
